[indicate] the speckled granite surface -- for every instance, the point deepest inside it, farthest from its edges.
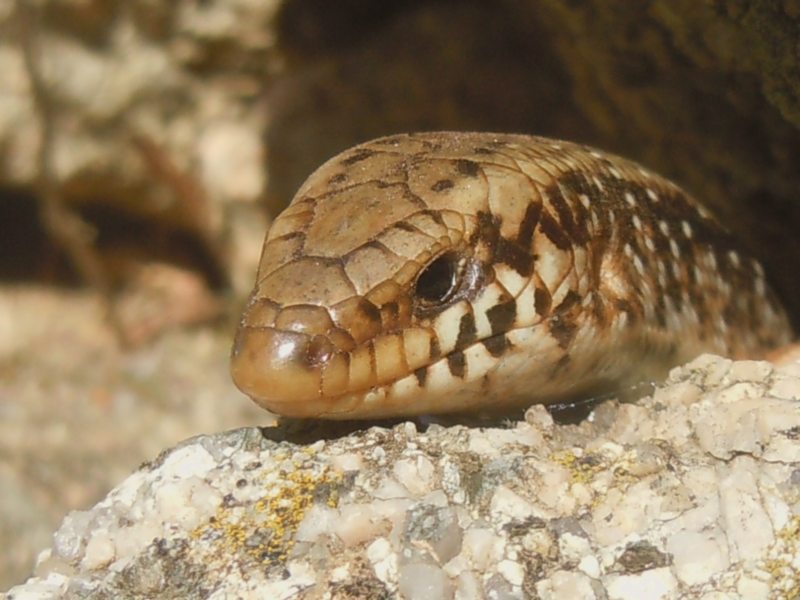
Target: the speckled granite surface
(693, 492)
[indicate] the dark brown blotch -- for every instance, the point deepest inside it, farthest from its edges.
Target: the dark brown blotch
(442, 185)
(528, 225)
(422, 375)
(369, 310)
(467, 334)
(501, 316)
(571, 299)
(390, 315)
(543, 300)
(457, 363)
(358, 156)
(338, 178)
(674, 205)
(691, 275)
(496, 345)
(467, 168)
(360, 317)
(509, 253)
(434, 350)
(673, 285)
(576, 183)
(436, 216)
(563, 330)
(569, 225)
(373, 358)
(551, 228)
(660, 310)
(488, 229)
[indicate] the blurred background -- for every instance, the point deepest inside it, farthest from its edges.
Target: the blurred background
(144, 145)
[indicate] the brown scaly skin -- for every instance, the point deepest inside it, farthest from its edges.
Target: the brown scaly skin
(475, 272)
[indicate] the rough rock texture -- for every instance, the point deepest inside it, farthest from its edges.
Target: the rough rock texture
(78, 414)
(693, 492)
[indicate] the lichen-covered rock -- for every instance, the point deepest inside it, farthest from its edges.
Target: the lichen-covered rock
(693, 492)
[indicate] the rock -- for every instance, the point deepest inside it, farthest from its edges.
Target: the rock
(689, 493)
(146, 71)
(78, 414)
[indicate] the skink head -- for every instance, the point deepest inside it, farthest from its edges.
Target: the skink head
(364, 281)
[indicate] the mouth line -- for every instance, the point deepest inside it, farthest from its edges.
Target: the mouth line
(363, 392)
(296, 386)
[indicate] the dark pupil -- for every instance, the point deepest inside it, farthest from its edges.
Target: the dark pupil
(436, 282)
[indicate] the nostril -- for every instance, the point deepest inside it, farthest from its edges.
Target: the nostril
(319, 350)
(277, 367)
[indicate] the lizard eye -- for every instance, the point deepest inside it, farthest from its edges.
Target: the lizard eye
(437, 282)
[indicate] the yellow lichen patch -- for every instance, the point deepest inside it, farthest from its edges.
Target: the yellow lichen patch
(264, 530)
(783, 560)
(582, 467)
(624, 469)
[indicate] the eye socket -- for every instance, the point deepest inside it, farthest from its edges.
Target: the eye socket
(438, 281)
